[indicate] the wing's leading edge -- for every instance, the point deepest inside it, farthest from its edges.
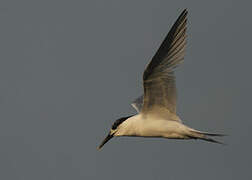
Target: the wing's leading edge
(158, 77)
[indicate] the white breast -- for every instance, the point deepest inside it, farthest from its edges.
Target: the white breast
(148, 126)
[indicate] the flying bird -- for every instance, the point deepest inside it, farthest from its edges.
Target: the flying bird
(157, 107)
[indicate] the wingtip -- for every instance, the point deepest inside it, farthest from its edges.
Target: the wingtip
(182, 17)
(184, 13)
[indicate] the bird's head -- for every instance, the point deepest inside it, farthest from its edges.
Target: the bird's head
(114, 130)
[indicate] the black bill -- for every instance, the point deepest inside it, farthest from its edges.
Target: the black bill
(109, 136)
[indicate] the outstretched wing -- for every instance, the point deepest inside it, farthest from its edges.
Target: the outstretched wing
(158, 77)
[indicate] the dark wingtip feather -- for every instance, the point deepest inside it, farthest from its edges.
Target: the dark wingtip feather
(184, 11)
(182, 15)
(167, 43)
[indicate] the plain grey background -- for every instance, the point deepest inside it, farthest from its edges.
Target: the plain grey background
(69, 69)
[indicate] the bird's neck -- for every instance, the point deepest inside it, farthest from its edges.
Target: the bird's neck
(130, 127)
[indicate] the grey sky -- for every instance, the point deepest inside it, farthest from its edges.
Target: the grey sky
(69, 69)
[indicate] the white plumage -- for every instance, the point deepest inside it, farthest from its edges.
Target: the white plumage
(157, 107)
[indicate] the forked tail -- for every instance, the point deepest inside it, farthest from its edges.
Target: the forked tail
(204, 136)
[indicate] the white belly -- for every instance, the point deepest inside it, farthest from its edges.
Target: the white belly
(162, 128)
(148, 127)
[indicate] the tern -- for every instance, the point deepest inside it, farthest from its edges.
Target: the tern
(156, 109)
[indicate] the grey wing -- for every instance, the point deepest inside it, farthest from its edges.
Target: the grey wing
(138, 103)
(159, 78)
